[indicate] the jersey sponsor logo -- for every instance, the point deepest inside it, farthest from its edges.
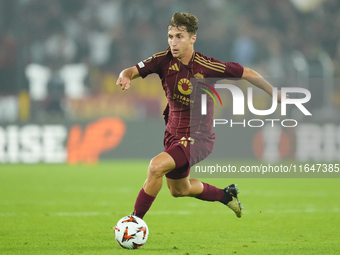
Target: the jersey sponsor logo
(141, 64)
(185, 141)
(184, 86)
(182, 99)
(174, 67)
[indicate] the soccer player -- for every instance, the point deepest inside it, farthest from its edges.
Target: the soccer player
(175, 67)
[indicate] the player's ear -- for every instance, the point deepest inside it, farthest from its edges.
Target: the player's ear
(193, 38)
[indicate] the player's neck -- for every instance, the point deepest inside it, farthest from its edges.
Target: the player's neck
(186, 59)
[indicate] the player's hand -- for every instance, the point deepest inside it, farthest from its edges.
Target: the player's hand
(279, 96)
(124, 83)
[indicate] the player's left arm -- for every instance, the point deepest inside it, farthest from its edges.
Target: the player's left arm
(256, 79)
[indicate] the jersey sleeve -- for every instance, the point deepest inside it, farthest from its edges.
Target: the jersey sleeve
(151, 65)
(218, 69)
(233, 70)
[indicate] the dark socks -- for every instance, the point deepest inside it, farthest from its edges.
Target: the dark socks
(210, 193)
(143, 204)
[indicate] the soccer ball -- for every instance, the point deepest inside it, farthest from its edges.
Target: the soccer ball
(131, 232)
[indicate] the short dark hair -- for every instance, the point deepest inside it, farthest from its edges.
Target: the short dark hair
(184, 19)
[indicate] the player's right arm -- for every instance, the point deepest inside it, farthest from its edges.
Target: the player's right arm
(142, 69)
(126, 76)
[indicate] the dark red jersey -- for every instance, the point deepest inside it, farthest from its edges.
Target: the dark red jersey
(178, 81)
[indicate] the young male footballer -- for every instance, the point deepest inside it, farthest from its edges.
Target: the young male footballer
(185, 143)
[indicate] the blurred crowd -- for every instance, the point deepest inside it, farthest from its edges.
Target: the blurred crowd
(113, 34)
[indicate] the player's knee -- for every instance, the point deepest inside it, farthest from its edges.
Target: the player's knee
(179, 192)
(155, 169)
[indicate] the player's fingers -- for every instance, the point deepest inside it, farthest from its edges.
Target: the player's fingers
(124, 83)
(126, 87)
(118, 82)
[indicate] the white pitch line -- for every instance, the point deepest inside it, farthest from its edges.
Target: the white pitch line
(79, 214)
(170, 212)
(184, 212)
(305, 210)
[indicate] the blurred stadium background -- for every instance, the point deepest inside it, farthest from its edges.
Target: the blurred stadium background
(59, 61)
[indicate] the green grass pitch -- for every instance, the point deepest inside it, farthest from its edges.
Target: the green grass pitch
(62, 209)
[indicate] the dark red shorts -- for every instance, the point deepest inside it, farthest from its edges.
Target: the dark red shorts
(186, 152)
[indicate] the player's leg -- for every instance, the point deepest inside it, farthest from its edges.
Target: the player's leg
(159, 166)
(184, 187)
(180, 184)
(194, 188)
(206, 192)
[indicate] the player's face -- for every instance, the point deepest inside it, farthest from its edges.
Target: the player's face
(181, 42)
